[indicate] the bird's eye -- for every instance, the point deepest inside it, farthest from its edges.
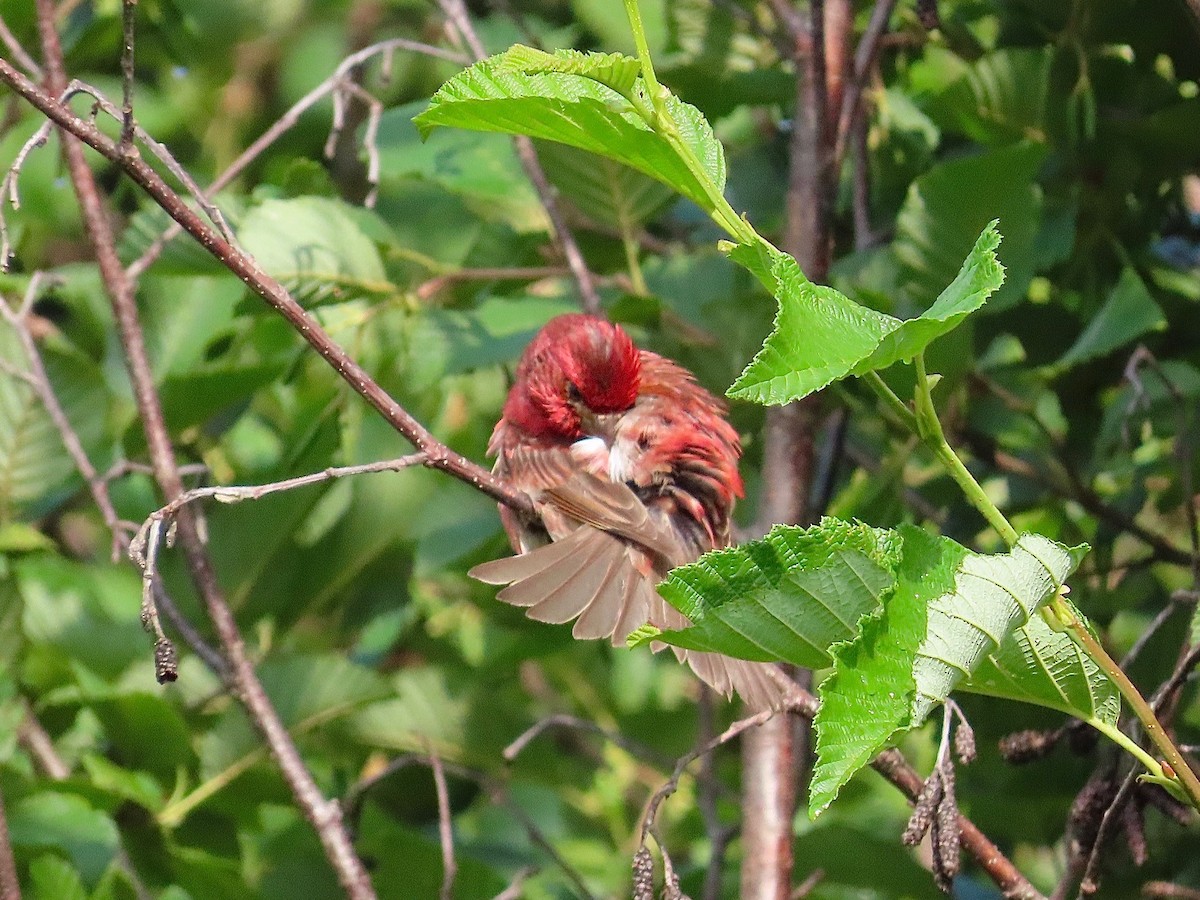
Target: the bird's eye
(573, 393)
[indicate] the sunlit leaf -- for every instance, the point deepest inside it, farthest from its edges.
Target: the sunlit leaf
(494, 95)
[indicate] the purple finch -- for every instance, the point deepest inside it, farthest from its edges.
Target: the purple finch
(632, 469)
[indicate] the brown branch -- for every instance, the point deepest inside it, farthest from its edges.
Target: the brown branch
(439, 456)
(892, 765)
(128, 33)
(456, 12)
(322, 814)
(851, 107)
(562, 720)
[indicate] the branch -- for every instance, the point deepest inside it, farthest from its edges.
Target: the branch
(439, 456)
(323, 815)
(456, 12)
(851, 108)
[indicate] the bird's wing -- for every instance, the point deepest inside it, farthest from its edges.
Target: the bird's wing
(587, 576)
(567, 495)
(608, 552)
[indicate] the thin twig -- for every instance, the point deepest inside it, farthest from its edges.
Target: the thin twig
(562, 720)
(456, 12)
(128, 32)
(209, 655)
(864, 62)
(719, 834)
(445, 828)
(514, 891)
(1108, 824)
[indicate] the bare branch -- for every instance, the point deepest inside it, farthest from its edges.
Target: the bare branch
(439, 456)
(18, 52)
(128, 33)
(851, 107)
(562, 720)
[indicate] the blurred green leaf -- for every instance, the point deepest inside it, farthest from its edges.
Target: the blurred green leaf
(54, 879)
(66, 824)
(1127, 314)
(316, 248)
(935, 227)
(605, 191)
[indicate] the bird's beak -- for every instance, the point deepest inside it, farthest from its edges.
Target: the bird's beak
(601, 425)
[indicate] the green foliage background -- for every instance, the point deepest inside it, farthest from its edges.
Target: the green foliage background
(1075, 124)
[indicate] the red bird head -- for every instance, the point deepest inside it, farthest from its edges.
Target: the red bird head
(577, 367)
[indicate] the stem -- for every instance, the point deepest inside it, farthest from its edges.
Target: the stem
(643, 50)
(930, 430)
(1153, 728)
(636, 277)
(662, 122)
(1121, 739)
(893, 403)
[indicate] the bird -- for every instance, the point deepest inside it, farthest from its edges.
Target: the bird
(632, 469)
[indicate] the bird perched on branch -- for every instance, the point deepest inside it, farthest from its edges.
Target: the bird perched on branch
(632, 469)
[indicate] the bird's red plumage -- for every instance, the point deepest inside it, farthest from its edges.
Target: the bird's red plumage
(633, 466)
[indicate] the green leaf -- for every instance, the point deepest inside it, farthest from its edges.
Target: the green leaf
(316, 248)
(1002, 96)
(482, 169)
(1127, 314)
(66, 823)
(605, 191)
(951, 608)
(935, 228)
(788, 596)
(53, 878)
(616, 70)
(307, 691)
(820, 335)
(17, 537)
(1038, 665)
(981, 276)
(992, 596)
(33, 462)
(869, 696)
(580, 111)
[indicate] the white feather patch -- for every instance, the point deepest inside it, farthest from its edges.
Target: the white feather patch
(592, 454)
